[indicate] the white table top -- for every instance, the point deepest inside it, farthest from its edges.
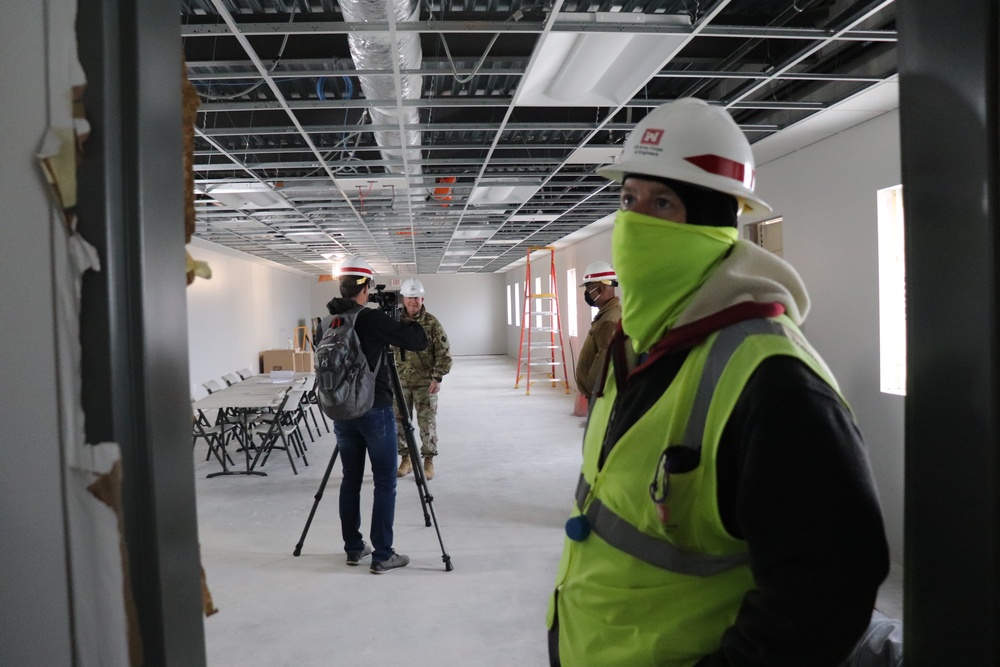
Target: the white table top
(258, 391)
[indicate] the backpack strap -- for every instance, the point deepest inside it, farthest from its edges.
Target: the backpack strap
(353, 314)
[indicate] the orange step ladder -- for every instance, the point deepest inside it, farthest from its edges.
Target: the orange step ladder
(542, 320)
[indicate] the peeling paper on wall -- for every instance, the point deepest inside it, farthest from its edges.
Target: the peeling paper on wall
(105, 625)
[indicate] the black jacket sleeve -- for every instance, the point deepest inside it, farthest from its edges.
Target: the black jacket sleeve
(801, 494)
(376, 330)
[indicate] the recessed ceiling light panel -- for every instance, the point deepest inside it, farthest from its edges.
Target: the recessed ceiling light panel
(598, 68)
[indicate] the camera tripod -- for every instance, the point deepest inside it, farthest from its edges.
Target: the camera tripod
(426, 499)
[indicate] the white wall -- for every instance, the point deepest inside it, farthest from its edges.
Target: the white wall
(826, 195)
(470, 306)
(245, 307)
(35, 612)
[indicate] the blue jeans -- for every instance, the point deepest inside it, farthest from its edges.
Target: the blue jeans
(374, 432)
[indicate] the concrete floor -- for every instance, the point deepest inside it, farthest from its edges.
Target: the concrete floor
(505, 476)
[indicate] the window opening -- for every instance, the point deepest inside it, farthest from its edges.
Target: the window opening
(571, 296)
(892, 291)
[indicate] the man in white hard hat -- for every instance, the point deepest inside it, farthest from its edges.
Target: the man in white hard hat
(725, 512)
(599, 282)
(373, 433)
(420, 374)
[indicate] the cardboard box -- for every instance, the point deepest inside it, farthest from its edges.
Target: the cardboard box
(304, 362)
(277, 360)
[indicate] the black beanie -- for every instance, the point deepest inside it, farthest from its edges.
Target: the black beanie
(709, 208)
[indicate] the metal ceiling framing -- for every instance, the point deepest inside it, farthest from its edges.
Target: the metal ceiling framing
(286, 144)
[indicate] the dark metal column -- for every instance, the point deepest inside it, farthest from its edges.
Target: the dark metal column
(134, 324)
(949, 123)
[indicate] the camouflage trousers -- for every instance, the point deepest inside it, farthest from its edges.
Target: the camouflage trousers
(426, 405)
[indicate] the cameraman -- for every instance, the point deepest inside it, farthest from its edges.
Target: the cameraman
(375, 431)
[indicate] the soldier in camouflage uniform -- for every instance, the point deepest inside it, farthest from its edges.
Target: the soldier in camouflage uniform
(420, 374)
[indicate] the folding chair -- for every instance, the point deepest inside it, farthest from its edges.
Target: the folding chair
(230, 379)
(284, 428)
(212, 386)
(226, 415)
(303, 409)
(201, 420)
(216, 436)
(245, 373)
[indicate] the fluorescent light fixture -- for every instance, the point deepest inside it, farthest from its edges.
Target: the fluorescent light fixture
(245, 196)
(599, 68)
(533, 217)
(234, 188)
(502, 242)
(502, 194)
(473, 233)
(595, 155)
(250, 200)
(461, 251)
(318, 237)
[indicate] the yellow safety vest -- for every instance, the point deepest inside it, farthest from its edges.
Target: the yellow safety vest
(632, 590)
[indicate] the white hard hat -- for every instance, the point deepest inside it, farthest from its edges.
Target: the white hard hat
(355, 266)
(599, 272)
(411, 287)
(691, 141)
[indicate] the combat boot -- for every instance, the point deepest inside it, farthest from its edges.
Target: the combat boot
(429, 467)
(404, 466)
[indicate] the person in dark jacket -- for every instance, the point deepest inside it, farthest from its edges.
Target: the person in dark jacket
(726, 513)
(599, 283)
(375, 431)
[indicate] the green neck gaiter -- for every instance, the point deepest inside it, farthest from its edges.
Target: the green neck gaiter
(660, 265)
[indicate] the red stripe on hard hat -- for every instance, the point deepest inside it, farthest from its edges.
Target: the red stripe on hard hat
(599, 276)
(357, 269)
(720, 166)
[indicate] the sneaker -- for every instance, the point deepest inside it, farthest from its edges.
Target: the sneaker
(429, 467)
(404, 467)
(355, 557)
(390, 563)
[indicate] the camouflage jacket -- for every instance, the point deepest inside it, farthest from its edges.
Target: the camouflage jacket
(417, 369)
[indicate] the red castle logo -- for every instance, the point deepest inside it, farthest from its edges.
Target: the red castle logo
(651, 137)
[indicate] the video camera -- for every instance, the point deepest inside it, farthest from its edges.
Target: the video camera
(387, 301)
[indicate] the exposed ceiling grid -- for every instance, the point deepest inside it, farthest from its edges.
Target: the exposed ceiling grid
(494, 147)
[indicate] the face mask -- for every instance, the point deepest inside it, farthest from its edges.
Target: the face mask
(589, 299)
(660, 266)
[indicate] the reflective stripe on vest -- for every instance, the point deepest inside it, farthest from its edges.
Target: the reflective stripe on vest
(625, 537)
(722, 350)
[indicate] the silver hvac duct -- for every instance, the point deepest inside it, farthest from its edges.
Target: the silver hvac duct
(374, 51)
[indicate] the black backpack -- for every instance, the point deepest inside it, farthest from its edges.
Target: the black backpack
(345, 384)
